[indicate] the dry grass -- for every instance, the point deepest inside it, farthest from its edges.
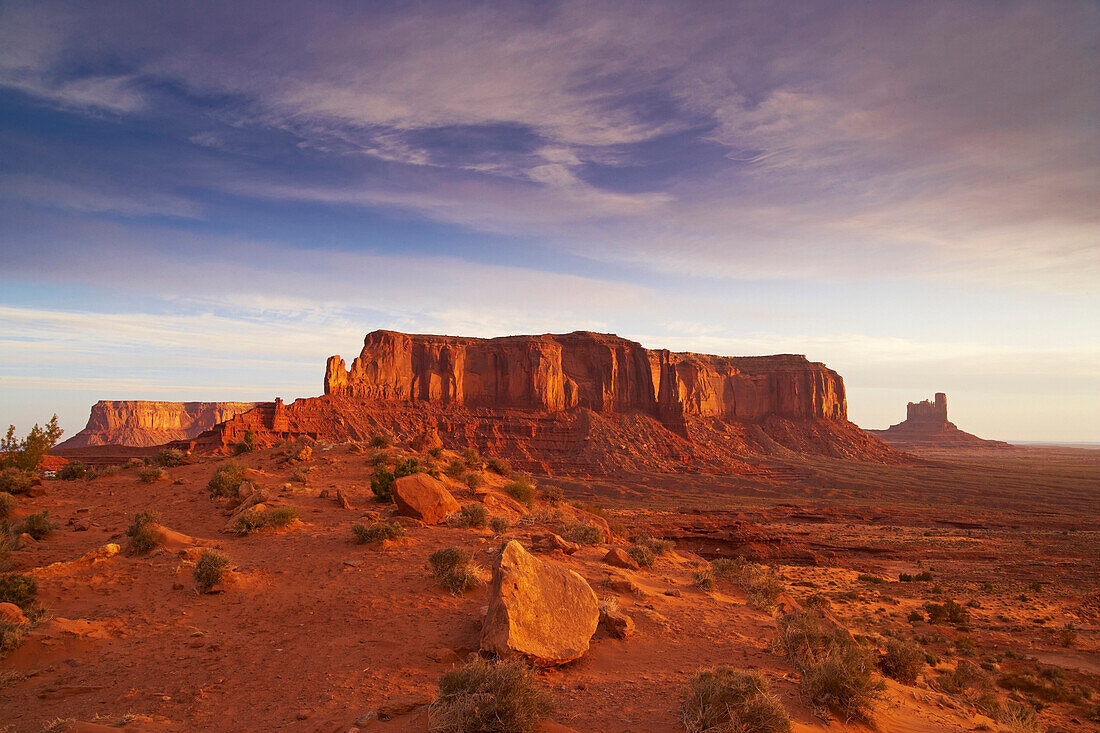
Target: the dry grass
(210, 570)
(489, 697)
(728, 700)
(377, 532)
(142, 533)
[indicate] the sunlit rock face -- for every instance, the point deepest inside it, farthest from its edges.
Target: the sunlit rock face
(144, 423)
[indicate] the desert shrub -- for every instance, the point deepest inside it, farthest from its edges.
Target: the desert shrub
(474, 480)
(868, 578)
(704, 580)
(72, 471)
(553, 495)
(458, 580)
(843, 681)
(759, 582)
(915, 617)
(966, 647)
(227, 480)
(1052, 689)
(655, 545)
(28, 452)
(923, 577)
(210, 570)
(37, 525)
(1067, 635)
(522, 490)
(381, 484)
(15, 480)
(474, 515)
(7, 504)
(300, 475)
(379, 459)
(1018, 717)
(406, 467)
(247, 444)
(447, 558)
(279, 516)
(7, 544)
(902, 661)
(435, 452)
(489, 697)
(18, 589)
(150, 474)
(642, 555)
(102, 471)
(134, 463)
(142, 533)
(499, 525)
(471, 458)
(10, 637)
(817, 600)
(948, 612)
(168, 457)
(381, 440)
(731, 700)
(582, 533)
(377, 532)
(965, 676)
(499, 466)
(455, 469)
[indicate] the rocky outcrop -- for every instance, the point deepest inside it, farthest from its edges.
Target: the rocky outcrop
(579, 403)
(601, 372)
(926, 426)
(538, 610)
(145, 423)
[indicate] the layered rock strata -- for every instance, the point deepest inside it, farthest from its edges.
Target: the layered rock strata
(141, 423)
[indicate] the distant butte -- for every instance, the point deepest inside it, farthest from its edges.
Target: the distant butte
(143, 423)
(926, 426)
(577, 403)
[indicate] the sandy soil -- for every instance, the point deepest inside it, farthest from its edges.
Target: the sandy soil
(313, 632)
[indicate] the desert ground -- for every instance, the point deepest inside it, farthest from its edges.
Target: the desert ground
(312, 631)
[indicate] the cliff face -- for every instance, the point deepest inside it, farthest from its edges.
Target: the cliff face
(147, 423)
(600, 372)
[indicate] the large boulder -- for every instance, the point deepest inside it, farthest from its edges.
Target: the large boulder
(422, 497)
(538, 609)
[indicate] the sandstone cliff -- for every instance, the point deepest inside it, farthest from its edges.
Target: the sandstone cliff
(572, 403)
(147, 423)
(926, 426)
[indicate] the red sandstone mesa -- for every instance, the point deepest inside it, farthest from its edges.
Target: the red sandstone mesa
(145, 423)
(571, 403)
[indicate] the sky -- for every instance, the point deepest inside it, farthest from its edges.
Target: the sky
(203, 201)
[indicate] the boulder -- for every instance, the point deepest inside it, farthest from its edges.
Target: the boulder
(426, 441)
(425, 498)
(500, 504)
(549, 542)
(12, 614)
(623, 585)
(616, 623)
(538, 610)
(620, 558)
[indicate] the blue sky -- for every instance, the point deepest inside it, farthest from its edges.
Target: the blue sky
(204, 202)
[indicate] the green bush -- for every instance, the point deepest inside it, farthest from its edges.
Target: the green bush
(455, 469)
(948, 612)
(27, 453)
(407, 467)
(731, 700)
(553, 495)
(499, 466)
(474, 480)
(381, 441)
(150, 474)
(142, 533)
(37, 525)
(72, 471)
(210, 570)
(18, 589)
(474, 515)
(227, 480)
(902, 661)
(7, 504)
(377, 532)
(15, 480)
(247, 443)
(168, 458)
(381, 484)
(499, 525)
(489, 697)
(873, 579)
(279, 516)
(582, 533)
(522, 490)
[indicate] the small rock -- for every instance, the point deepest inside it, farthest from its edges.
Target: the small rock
(549, 542)
(407, 522)
(620, 558)
(622, 585)
(443, 655)
(616, 624)
(674, 592)
(400, 705)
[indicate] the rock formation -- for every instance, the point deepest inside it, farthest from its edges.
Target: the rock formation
(538, 610)
(926, 426)
(146, 423)
(579, 403)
